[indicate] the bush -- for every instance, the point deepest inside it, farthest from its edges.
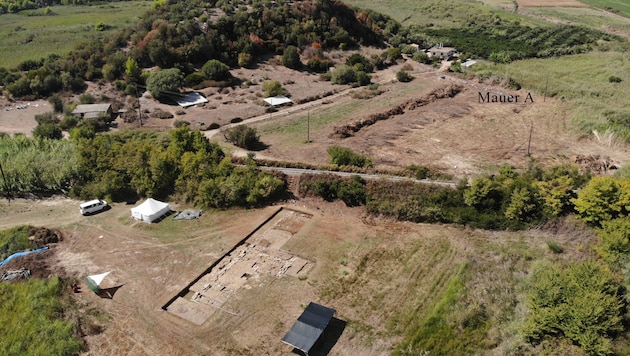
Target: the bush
(580, 303)
(193, 79)
(273, 88)
(48, 130)
(181, 123)
(86, 98)
(342, 156)
(243, 136)
(404, 76)
(216, 70)
(614, 79)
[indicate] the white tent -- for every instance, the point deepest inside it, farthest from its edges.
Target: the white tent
(95, 280)
(150, 210)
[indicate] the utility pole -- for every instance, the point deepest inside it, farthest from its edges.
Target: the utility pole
(529, 142)
(6, 186)
(139, 111)
(308, 126)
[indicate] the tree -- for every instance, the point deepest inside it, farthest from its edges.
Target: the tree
(132, 70)
(344, 74)
(614, 242)
(214, 69)
(291, 57)
(273, 88)
(603, 198)
(57, 103)
(245, 59)
(48, 130)
(243, 136)
(522, 206)
(165, 80)
(580, 303)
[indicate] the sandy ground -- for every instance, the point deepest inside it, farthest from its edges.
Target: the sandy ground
(149, 267)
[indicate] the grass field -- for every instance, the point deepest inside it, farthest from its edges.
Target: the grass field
(441, 14)
(587, 16)
(582, 79)
(620, 6)
(33, 35)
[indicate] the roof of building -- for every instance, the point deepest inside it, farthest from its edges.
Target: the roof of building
(309, 327)
(277, 100)
(442, 49)
(91, 108)
(190, 99)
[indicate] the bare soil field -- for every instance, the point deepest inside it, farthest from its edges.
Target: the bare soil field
(374, 272)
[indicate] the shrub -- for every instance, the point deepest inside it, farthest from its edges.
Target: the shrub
(181, 123)
(404, 76)
(245, 59)
(216, 70)
(580, 303)
(273, 88)
(243, 136)
(193, 79)
(48, 130)
(342, 156)
(554, 247)
(86, 98)
(614, 79)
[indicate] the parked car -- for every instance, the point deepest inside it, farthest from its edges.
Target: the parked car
(92, 206)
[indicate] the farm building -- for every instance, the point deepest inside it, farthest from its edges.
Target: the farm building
(442, 52)
(86, 111)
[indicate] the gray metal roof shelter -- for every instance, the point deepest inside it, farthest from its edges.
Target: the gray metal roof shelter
(309, 327)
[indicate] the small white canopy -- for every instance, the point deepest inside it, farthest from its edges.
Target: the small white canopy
(150, 210)
(94, 281)
(277, 100)
(98, 278)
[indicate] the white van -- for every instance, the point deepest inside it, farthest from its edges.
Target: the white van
(92, 206)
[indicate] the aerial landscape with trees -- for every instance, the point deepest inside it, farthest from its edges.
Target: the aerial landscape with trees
(510, 255)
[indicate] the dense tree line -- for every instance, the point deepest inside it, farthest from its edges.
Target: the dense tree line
(182, 165)
(186, 35)
(508, 42)
(508, 200)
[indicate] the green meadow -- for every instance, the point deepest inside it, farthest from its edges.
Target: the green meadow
(584, 80)
(32, 34)
(619, 6)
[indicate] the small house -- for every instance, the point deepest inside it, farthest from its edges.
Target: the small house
(441, 52)
(86, 111)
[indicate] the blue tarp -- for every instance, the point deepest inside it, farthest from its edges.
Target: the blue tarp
(18, 254)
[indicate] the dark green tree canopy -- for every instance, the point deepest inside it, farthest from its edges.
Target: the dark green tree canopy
(164, 81)
(214, 69)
